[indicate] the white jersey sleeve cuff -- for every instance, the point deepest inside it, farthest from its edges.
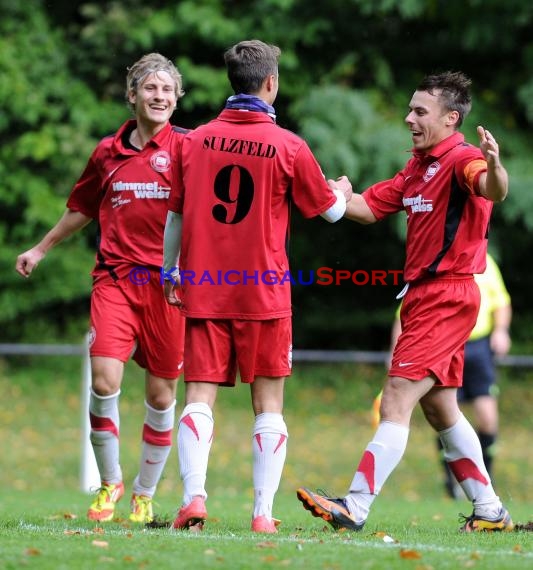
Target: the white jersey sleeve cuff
(335, 212)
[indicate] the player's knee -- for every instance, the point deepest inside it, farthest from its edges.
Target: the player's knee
(160, 402)
(103, 387)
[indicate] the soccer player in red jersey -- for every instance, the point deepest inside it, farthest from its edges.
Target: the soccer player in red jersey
(125, 187)
(447, 190)
(238, 176)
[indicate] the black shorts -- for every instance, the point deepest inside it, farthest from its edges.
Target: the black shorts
(479, 373)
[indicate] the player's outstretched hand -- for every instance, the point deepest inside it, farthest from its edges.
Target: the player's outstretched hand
(489, 147)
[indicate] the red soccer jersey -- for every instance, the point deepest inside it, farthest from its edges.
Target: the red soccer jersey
(127, 192)
(239, 174)
(447, 218)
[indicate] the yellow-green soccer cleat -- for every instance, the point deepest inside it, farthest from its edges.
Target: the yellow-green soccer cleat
(502, 523)
(141, 509)
(103, 507)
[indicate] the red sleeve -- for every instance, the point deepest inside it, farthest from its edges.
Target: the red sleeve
(310, 191)
(175, 201)
(385, 197)
(86, 196)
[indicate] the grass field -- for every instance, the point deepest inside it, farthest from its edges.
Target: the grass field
(43, 525)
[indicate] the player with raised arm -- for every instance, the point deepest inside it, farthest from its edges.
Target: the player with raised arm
(447, 190)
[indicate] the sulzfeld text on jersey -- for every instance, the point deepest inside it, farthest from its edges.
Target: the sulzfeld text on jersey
(238, 146)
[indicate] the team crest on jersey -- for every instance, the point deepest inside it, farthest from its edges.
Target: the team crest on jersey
(160, 161)
(432, 169)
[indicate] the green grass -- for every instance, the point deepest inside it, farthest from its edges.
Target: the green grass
(43, 524)
(36, 534)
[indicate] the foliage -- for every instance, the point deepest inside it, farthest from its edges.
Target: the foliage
(347, 70)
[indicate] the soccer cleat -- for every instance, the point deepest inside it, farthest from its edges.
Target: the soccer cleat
(332, 509)
(265, 525)
(141, 509)
(193, 514)
(502, 523)
(103, 507)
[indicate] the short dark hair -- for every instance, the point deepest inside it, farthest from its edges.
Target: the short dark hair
(455, 91)
(248, 64)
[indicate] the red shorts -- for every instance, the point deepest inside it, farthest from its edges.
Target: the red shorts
(216, 348)
(437, 317)
(128, 318)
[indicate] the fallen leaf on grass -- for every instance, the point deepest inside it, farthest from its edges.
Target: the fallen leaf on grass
(385, 537)
(267, 544)
(410, 554)
(71, 532)
(100, 543)
(67, 516)
(517, 548)
(33, 552)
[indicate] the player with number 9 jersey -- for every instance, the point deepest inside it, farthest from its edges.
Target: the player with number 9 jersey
(246, 171)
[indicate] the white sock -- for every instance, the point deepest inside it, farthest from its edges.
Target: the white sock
(105, 424)
(157, 442)
(379, 460)
(195, 435)
(269, 445)
(462, 452)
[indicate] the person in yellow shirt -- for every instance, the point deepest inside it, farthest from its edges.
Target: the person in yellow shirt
(489, 338)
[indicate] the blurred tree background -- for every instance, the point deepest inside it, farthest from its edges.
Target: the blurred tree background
(347, 72)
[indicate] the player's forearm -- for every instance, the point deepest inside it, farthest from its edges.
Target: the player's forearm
(357, 210)
(69, 223)
(496, 183)
(171, 242)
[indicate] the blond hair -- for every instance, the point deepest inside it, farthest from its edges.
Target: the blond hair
(151, 63)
